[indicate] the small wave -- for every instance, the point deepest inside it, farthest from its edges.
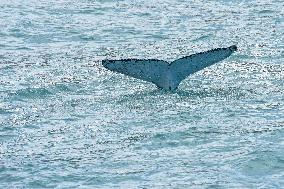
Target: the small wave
(42, 92)
(31, 93)
(263, 163)
(61, 87)
(4, 111)
(266, 12)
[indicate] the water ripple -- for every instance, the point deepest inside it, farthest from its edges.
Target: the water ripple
(67, 122)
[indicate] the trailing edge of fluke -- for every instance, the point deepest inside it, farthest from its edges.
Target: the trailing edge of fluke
(168, 75)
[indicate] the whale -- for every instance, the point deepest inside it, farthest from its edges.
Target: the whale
(168, 75)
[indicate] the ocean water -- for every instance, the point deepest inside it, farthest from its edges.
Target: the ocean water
(66, 122)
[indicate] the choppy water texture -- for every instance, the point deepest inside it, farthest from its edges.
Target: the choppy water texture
(67, 122)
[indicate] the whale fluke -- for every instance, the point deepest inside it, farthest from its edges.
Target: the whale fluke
(168, 75)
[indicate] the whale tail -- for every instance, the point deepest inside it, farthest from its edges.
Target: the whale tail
(168, 75)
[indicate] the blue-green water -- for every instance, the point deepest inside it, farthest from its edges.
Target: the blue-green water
(66, 122)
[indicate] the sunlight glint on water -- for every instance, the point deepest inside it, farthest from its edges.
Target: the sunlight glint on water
(66, 122)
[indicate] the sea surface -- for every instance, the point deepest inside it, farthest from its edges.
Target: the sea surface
(67, 122)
